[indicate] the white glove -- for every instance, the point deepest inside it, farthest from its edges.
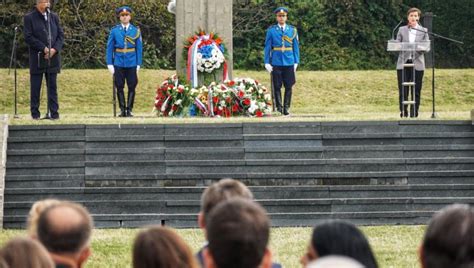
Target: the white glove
(296, 67)
(111, 69)
(138, 68)
(269, 67)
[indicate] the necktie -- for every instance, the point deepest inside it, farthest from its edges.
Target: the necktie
(282, 29)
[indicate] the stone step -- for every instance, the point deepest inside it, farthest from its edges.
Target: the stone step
(271, 205)
(137, 220)
(260, 192)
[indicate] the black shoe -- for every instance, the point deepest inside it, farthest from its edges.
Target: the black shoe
(286, 112)
(123, 114)
(129, 114)
(35, 118)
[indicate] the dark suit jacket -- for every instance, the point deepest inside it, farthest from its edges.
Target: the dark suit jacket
(36, 36)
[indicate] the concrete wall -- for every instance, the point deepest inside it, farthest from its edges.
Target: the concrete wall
(210, 15)
(3, 159)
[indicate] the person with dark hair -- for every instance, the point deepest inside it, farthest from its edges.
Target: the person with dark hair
(161, 247)
(339, 238)
(449, 239)
(215, 194)
(238, 231)
(39, 25)
(25, 252)
(413, 32)
(65, 230)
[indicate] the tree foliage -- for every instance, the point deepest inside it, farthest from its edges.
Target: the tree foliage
(334, 34)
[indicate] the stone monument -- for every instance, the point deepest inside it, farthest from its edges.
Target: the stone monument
(209, 15)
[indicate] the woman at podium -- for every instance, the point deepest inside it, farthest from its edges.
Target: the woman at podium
(411, 64)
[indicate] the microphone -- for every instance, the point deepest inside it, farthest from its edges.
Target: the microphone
(48, 8)
(394, 29)
(16, 28)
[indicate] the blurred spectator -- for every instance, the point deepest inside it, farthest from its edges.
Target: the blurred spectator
(65, 230)
(339, 238)
(25, 253)
(449, 239)
(161, 247)
(238, 232)
(35, 211)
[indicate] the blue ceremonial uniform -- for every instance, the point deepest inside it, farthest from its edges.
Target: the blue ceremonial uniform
(124, 52)
(282, 46)
(124, 49)
(282, 52)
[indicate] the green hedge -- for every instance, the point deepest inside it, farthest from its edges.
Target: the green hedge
(334, 34)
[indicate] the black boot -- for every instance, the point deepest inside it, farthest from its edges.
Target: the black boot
(286, 108)
(277, 103)
(131, 99)
(121, 100)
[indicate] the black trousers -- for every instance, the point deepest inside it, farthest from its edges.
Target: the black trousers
(283, 75)
(130, 76)
(403, 91)
(36, 81)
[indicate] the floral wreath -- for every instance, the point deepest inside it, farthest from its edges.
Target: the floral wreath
(238, 97)
(205, 53)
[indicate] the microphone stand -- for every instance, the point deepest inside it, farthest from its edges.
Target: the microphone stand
(48, 82)
(435, 35)
(13, 60)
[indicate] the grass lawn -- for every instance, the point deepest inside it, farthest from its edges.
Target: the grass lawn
(85, 96)
(394, 246)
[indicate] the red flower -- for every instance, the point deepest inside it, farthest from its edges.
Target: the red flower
(180, 90)
(241, 94)
(215, 99)
(231, 83)
(174, 107)
(235, 108)
(246, 102)
(228, 100)
(227, 112)
(259, 113)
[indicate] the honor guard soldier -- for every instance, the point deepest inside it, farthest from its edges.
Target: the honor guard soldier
(282, 56)
(124, 58)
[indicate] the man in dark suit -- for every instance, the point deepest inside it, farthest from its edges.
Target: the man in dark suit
(44, 55)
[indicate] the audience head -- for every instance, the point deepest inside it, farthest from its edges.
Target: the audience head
(238, 232)
(335, 261)
(449, 239)
(35, 212)
(65, 229)
(25, 252)
(161, 247)
(218, 192)
(339, 238)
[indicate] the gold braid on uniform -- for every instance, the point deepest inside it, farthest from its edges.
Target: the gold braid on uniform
(132, 39)
(290, 39)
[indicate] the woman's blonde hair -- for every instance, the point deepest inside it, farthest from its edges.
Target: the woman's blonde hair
(35, 212)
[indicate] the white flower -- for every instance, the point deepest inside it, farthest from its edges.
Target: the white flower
(178, 102)
(267, 97)
(170, 113)
(222, 102)
(260, 91)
